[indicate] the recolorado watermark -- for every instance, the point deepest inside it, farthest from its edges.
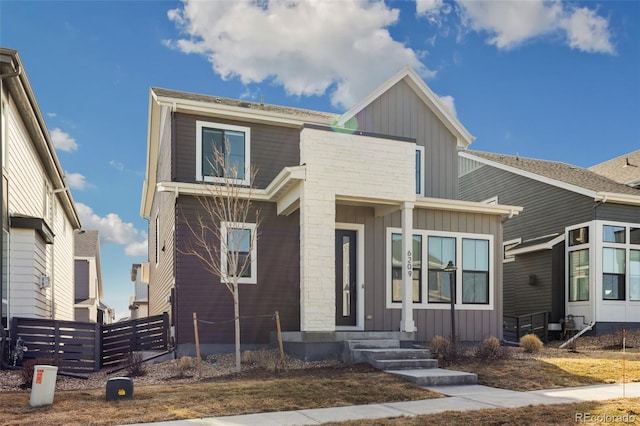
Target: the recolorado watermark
(588, 418)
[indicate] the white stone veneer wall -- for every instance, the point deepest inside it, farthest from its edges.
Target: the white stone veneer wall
(340, 164)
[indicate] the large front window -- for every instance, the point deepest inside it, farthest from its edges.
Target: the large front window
(222, 152)
(472, 254)
(238, 252)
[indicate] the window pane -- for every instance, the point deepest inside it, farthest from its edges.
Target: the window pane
(397, 268)
(441, 251)
(211, 142)
(239, 240)
(634, 236)
(475, 287)
(234, 158)
(475, 255)
(613, 260)
(613, 234)
(579, 275)
(613, 286)
(579, 236)
(634, 278)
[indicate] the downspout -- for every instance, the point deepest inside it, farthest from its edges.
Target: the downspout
(15, 73)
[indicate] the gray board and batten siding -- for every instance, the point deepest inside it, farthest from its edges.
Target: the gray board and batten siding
(277, 288)
(472, 325)
(400, 112)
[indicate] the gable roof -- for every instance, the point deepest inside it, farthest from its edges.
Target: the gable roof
(624, 169)
(433, 102)
(562, 175)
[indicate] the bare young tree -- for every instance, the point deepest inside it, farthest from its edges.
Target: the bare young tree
(225, 230)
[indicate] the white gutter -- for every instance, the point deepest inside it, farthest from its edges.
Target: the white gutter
(616, 198)
(468, 206)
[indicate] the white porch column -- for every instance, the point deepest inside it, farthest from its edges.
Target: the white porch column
(407, 323)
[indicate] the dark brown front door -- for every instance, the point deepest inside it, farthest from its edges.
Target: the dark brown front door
(346, 278)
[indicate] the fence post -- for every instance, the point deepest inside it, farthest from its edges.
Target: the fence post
(97, 347)
(195, 331)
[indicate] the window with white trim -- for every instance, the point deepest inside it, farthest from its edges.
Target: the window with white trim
(238, 252)
(233, 144)
(620, 262)
(473, 278)
(420, 170)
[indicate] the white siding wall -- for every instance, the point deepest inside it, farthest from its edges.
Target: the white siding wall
(27, 181)
(340, 164)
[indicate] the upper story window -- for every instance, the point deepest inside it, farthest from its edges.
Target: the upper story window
(420, 170)
(613, 234)
(579, 236)
(232, 143)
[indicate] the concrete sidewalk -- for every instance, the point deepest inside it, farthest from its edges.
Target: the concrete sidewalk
(459, 398)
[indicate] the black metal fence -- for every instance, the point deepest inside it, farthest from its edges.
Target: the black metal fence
(515, 327)
(84, 347)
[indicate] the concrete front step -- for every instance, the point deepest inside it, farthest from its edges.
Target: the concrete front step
(436, 377)
(367, 355)
(404, 364)
(372, 344)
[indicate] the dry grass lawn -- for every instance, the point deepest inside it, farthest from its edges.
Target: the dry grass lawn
(323, 387)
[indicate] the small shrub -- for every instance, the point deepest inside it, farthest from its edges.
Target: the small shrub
(490, 348)
(270, 360)
(184, 364)
(26, 374)
(248, 357)
(531, 343)
(440, 347)
(135, 366)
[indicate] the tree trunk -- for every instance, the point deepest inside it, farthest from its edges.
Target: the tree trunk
(236, 312)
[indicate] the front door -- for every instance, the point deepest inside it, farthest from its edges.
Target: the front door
(346, 270)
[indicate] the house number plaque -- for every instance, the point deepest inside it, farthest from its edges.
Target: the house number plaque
(409, 263)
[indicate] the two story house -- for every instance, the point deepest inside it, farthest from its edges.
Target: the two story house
(574, 252)
(359, 216)
(88, 280)
(139, 302)
(39, 217)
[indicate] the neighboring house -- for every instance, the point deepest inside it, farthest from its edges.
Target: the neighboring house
(575, 249)
(88, 279)
(359, 216)
(624, 169)
(139, 302)
(39, 217)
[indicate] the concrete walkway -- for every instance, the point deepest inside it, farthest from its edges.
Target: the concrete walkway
(459, 398)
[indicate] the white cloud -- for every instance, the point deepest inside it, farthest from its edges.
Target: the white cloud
(117, 165)
(63, 141)
(449, 102)
(426, 6)
(587, 31)
(52, 114)
(77, 181)
(113, 230)
(512, 23)
(307, 47)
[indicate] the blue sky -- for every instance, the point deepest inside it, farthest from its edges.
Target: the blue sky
(551, 80)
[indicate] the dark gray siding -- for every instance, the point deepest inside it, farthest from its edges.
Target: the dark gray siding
(278, 287)
(618, 213)
(161, 275)
(524, 297)
(473, 325)
(547, 209)
(272, 148)
(81, 280)
(400, 112)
